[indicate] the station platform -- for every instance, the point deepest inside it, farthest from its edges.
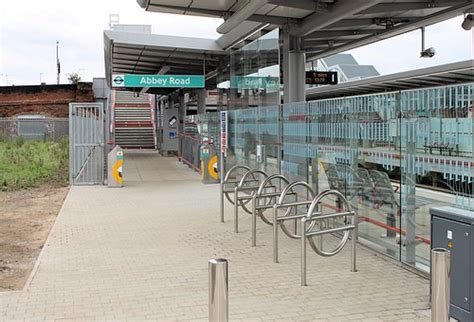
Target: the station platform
(141, 252)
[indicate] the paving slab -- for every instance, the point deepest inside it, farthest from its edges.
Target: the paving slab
(141, 252)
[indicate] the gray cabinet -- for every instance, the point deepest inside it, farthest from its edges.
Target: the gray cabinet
(453, 229)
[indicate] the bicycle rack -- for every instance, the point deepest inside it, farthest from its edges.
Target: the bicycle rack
(269, 199)
(314, 216)
(225, 192)
(242, 201)
(290, 206)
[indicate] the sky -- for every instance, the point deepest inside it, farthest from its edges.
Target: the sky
(29, 30)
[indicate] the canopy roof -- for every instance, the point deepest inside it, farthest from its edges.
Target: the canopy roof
(327, 26)
(139, 53)
(460, 72)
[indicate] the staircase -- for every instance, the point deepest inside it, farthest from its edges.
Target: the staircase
(133, 121)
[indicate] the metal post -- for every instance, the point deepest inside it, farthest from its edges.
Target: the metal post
(354, 243)
(275, 234)
(254, 220)
(222, 185)
(440, 284)
(303, 251)
(218, 290)
(236, 210)
(353, 251)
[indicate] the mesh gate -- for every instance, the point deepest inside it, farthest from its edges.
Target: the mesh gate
(86, 143)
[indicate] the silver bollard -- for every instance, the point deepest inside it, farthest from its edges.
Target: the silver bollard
(218, 290)
(440, 284)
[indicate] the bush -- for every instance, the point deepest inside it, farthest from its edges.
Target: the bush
(26, 164)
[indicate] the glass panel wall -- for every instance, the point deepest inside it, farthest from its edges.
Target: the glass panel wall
(294, 141)
(253, 101)
(394, 155)
(436, 161)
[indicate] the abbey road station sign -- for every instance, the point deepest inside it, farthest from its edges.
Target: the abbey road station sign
(163, 81)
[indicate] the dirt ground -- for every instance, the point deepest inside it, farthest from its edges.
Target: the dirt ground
(26, 218)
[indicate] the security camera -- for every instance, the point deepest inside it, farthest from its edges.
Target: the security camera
(428, 53)
(468, 22)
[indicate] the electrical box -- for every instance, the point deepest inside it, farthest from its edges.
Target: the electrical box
(453, 229)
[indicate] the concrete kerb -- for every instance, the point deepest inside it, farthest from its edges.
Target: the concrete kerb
(38, 260)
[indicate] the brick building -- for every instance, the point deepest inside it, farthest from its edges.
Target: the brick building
(47, 100)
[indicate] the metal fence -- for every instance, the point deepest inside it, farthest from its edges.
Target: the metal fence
(197, 129)
(34, 128)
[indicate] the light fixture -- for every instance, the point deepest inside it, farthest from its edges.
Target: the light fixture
(468, 22)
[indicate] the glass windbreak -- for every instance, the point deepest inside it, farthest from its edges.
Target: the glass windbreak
(294, 141)
(269, 134)
(352, 151)
(253, 104)
(242, 132)
(393, 155)
(436, 161)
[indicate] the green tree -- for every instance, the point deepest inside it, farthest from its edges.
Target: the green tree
(73, 78)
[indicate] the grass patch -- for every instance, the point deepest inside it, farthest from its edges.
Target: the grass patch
(25, 164)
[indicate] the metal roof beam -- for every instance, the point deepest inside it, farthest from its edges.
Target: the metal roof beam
(340, 33)
(165, 53)
(132, 63)
(397, 30)
(406, 6)
(219, 14)
(240, 34)
(136, 70)
(310, 5)
(240, 16)
(181, 61)
(338, 11)
(364, 22)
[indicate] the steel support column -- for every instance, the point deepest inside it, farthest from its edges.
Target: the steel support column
(201, 100)
(181, 116)
(293, 68)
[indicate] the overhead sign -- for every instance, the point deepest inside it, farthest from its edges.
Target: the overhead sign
(224, 132)
(163, 81)
(321, 78)
(254, 82)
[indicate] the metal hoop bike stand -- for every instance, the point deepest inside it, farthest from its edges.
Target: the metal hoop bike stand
(314, 215)
(279, 221)
(269, 199)
(228, 180)
(242, 201)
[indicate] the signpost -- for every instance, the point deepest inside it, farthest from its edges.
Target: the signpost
(223, 146)
(321, 78)
(163, 81)
(224, 130)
